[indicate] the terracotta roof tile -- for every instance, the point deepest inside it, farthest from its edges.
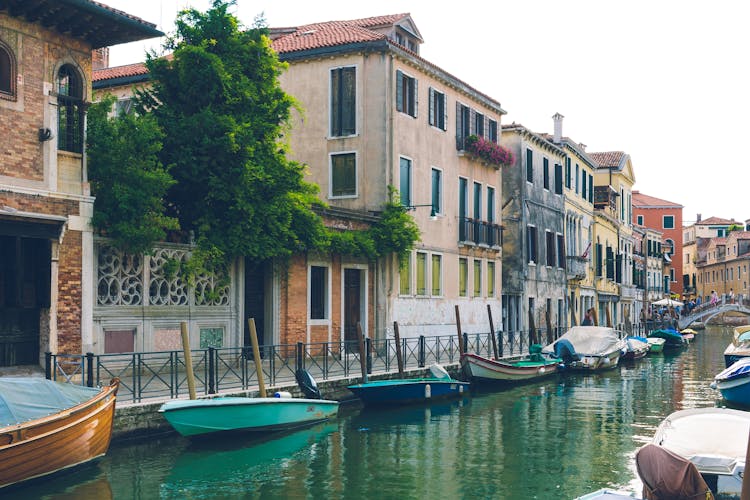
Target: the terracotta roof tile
(329, 34)
(714, 220)
(645, 201)
(608, 158)
(120, 72)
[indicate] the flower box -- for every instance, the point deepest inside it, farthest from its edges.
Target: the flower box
(488, 152)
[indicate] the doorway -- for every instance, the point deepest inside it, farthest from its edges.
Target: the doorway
(25, 276)
(257, 297)
(353, 307)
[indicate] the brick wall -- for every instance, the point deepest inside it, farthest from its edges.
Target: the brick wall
(69, 295)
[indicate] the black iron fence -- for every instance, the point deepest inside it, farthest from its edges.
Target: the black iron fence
(163, 374)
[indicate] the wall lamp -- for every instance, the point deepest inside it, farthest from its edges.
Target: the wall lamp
(433, 215)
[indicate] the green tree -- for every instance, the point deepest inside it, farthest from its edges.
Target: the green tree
(127, 178)
(219, 101)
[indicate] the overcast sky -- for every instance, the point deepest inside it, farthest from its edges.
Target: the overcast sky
(665, 81)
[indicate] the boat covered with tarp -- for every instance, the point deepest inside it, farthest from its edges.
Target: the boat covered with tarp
(734, 382)
(46, 426)
(667, 476)
(672, 338)
(596, 347)
(713, 439)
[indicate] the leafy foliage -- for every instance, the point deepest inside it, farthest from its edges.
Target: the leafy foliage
(127, 178)
(220, 101)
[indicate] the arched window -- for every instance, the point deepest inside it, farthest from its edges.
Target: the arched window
(7, 73)
(69, 109)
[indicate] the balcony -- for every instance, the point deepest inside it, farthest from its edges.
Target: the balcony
(478, 232)
(576, 267)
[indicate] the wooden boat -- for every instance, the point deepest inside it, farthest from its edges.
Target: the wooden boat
(515, 369)
(596, 348)
(655, 345)
(734, 382)
(673, 339)
(714, 440)
(636, 348)
(408, 391)
(46, 427)
(739, 347)
(194, 417)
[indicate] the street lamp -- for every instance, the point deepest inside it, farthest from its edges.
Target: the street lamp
(433, 215)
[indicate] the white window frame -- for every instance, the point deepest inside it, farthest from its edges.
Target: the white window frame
(356, 102)
(439, 278)
(327, 314)
(441, 208)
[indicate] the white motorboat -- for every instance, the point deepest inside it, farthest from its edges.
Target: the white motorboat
(596, 347)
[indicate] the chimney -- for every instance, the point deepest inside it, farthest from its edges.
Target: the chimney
(698, 218)
(558, 118)
(100, 58)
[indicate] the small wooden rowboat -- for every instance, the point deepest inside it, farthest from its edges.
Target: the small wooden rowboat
(46, 427)
(518, 369)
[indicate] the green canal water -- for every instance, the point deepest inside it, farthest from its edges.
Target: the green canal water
(557, 439)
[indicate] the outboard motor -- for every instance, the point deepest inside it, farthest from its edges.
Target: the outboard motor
(565, 351)
(307, 384)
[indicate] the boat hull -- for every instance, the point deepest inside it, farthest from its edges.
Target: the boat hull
(736, 391)
(599, 362)
(655, 345)
(673, 339)
(734, 353)
(51, 444)
(397, 392)
(206, 416)
(519, 370)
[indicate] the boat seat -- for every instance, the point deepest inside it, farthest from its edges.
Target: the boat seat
(535, 352)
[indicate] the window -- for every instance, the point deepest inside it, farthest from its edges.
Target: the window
(124, 107)
(343, 175)
(463, 207)
(479, 124)
(477, 201)
(558, 179)
(668, 222)
(438, 115)
(463, 276)
(490, 279)
(639, 220)
(568, 173)
(318, 292)
(421, 273)
(583, 185)
(437, 275)
(578, 176)
(591, 189)
(405, 181)
(7, 73)
(405, 276)
(531, 244)
(477, 278)
(490, 204)
(551, 256)
(70, 110)
(463, 125)
(437, 191)
(529, 166)
(343, 101)
(492, 130)
(545, 173)
(560, 251)
(406, 94)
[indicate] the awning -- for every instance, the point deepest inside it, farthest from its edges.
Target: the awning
(30, 225)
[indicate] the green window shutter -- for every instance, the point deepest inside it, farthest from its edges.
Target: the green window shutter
(399, 91)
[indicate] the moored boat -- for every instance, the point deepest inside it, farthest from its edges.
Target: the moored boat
(739, 347)
(655, 344)
(672, 338)
(596, 347)
(636, 347)
(734, 382)
(514, 369)
(46, 427)
(714, 440)
(195, 417)
(407, 391)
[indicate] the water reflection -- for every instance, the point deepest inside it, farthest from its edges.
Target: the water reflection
(555, 439)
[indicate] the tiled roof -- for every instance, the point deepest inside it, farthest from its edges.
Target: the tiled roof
(645, 201)
(608, 158)
(714, 220)
(333, 33)
(128, 70)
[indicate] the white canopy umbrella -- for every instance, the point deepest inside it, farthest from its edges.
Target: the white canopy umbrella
(668, 302)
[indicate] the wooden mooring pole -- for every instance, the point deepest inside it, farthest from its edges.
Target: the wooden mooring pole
(188, 359)
(256, 357)
(399, 357)
(492, 331)
(458, 331)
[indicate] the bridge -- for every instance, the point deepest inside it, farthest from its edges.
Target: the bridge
(705, 312)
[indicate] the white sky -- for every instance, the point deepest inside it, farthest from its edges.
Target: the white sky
(666, 81)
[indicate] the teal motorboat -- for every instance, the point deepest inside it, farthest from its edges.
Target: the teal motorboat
(195, 417)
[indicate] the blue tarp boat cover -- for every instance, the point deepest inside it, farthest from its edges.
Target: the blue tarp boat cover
(739, 369)
(28, 398)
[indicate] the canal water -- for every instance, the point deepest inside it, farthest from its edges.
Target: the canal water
(559, 438)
